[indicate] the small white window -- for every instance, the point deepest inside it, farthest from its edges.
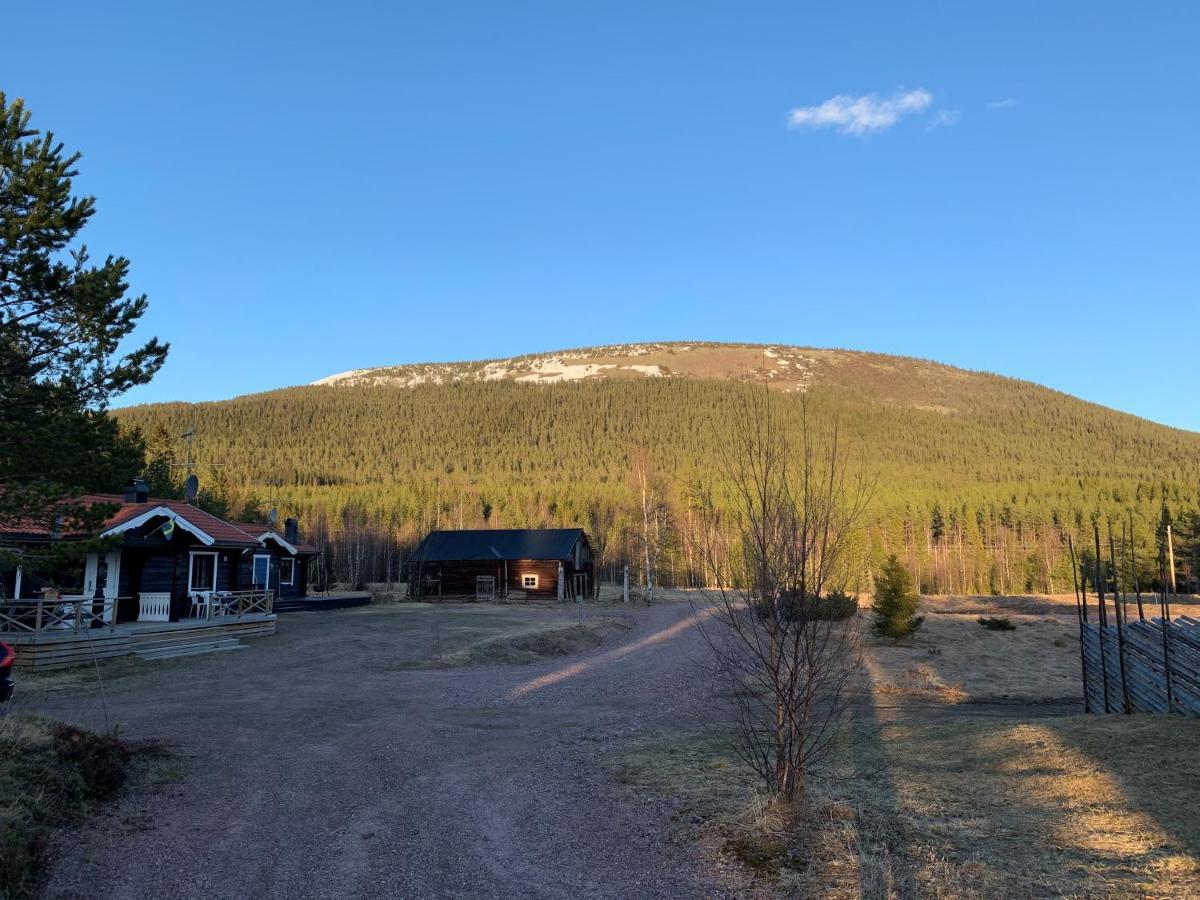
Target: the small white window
(529, 581)
(202, 571)
(287, 571)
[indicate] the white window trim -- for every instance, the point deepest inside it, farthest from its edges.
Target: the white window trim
(191, 558)
(291, 581)
(525, 579)
(254, 565)
(277, 539)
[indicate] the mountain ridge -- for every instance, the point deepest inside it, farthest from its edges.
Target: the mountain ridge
(786, 367)
(1007, 466)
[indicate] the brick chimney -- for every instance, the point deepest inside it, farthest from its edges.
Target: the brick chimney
(291, 530)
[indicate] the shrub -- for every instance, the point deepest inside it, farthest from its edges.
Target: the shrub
(834, 606)
(837, 605)
(895, 603)
(100, 758)
(51, 775)
(993, 623)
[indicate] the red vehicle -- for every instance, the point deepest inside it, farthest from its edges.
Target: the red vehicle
(7, 658)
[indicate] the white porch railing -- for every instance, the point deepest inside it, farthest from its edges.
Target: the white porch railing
(154, 606)
(69, 613)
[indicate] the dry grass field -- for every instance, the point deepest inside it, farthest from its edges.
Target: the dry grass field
(954, 658)
(929, 796)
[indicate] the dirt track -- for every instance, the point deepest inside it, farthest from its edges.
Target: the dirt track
(337, 777)
(317, 764)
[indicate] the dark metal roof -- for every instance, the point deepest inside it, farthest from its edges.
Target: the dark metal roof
(498, 543)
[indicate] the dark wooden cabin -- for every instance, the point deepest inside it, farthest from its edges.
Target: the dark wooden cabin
(543, 563)
(170, 559)
(287, 555)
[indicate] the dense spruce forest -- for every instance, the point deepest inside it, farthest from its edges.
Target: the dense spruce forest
(979, 478)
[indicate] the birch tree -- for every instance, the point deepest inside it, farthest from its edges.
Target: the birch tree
(787, 663)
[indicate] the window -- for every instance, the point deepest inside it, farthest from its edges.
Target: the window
(287, 571)
(529, 581)
(202, 572)
(261, 573)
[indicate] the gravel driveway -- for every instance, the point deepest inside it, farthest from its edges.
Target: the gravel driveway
(312, 765)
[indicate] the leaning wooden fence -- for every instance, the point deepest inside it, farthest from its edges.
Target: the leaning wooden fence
(1142, 666)
(1149, 664)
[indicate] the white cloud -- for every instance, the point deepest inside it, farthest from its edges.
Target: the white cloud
(1006, 103)
(860, 115)
(944, 118)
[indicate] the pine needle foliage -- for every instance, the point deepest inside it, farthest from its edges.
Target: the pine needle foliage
(895, 604)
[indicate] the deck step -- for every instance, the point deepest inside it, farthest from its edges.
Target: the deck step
(171, 650)
(178, 639)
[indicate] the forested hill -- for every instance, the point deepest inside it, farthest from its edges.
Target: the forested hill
(547, 439)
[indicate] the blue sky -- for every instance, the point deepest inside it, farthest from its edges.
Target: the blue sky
(307, 188)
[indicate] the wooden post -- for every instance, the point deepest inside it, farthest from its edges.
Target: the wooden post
(1112, 556)
(1080, 587)
(1137, 588)
(625, 589)
(1081, 615)
(1103, 619)
(1165, 622)
(1171, 558)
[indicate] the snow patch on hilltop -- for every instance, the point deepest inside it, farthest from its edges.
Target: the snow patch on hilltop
(788, 368)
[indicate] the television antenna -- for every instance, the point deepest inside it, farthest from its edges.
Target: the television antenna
(187, 436)
(189, 464)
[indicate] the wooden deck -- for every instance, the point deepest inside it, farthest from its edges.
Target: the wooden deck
(56, 650)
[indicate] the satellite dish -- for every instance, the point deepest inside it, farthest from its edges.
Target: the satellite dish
(273, 516)
(191, 488)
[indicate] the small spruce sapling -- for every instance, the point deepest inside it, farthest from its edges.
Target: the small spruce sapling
(895, 603)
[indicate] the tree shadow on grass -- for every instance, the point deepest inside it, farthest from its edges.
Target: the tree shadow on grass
(1050, 807)
(866, 782)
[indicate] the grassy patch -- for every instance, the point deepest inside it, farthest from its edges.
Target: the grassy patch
(32, 683)
(1072, 806)
(922, 682)
(1068, 806)
(803, 850)
(51, 775)
(1037, 660)
(489, 636)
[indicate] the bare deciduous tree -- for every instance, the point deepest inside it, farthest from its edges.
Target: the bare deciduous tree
(655, 518)
(786, 662)
(602, 520)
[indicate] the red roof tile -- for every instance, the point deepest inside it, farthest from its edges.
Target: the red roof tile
(219, 530)
(36, 529)
(237, 533)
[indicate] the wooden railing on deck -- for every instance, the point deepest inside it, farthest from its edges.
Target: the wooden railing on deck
(239, 603)
(74, 614)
